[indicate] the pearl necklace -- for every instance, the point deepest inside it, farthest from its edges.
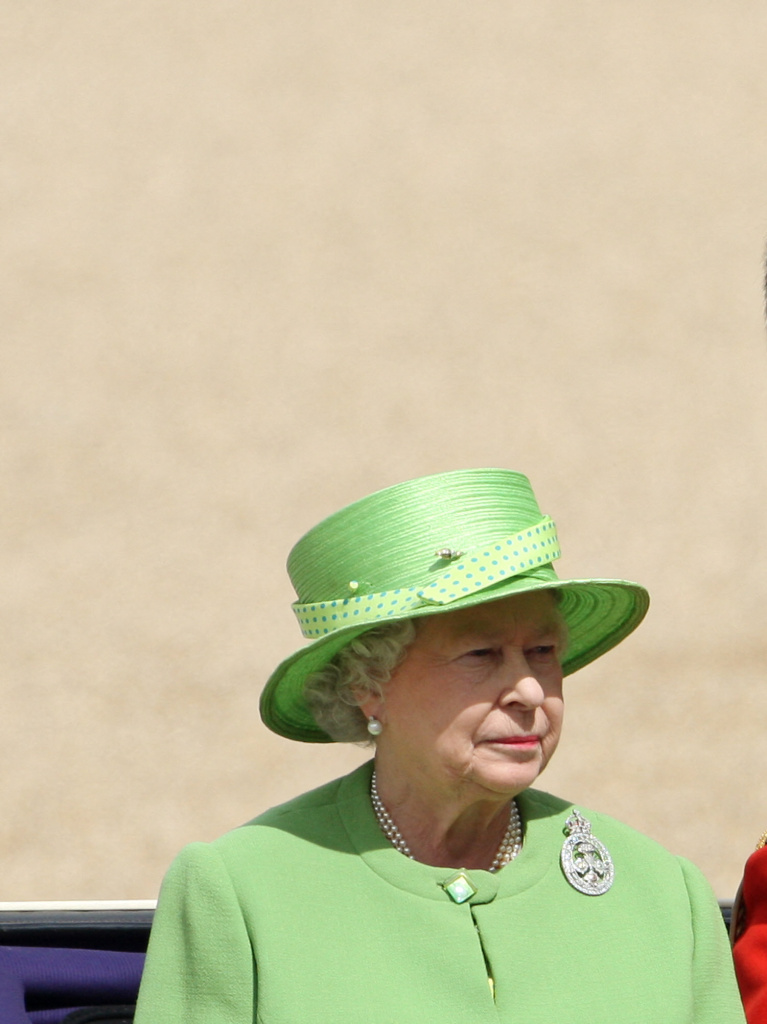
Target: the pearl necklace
(510, 846)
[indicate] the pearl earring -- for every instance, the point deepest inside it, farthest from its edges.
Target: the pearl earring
(374, 726)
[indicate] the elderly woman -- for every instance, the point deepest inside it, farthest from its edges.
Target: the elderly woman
(433, 885)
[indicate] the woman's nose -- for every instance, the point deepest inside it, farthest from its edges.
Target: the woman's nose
(523, 688)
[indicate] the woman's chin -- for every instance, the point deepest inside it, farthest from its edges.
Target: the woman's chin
(510, 778)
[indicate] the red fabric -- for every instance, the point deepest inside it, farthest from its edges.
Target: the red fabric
(750, 948)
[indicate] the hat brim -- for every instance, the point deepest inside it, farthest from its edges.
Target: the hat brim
(599, 614)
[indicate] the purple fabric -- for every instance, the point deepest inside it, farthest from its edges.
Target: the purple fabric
(59, 980)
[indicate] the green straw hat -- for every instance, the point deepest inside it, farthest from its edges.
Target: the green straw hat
(426, 547)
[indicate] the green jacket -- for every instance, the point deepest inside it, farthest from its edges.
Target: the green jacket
(307, 915)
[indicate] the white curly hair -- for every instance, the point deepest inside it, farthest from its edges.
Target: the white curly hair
(361, 668)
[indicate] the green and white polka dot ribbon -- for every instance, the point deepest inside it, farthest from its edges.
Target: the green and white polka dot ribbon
(471, 571)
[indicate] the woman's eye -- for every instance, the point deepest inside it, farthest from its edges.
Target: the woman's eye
(480, 652)
(543, 650)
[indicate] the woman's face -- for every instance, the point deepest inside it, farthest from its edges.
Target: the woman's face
(476, 705)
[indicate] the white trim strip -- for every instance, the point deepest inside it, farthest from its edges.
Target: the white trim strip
(56, 905)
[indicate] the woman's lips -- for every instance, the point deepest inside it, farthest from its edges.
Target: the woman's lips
(522, 742)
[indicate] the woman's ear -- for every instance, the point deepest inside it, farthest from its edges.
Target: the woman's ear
(370, 704)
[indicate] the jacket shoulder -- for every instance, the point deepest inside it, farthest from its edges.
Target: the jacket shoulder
(604, 826)
(311, 817)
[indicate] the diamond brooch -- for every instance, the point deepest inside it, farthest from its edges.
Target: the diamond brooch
(586, 863)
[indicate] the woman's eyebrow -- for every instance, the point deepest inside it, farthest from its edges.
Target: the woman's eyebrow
(479, 632)
(476, 631)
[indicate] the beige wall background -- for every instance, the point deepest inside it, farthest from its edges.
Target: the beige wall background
(259, 259)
